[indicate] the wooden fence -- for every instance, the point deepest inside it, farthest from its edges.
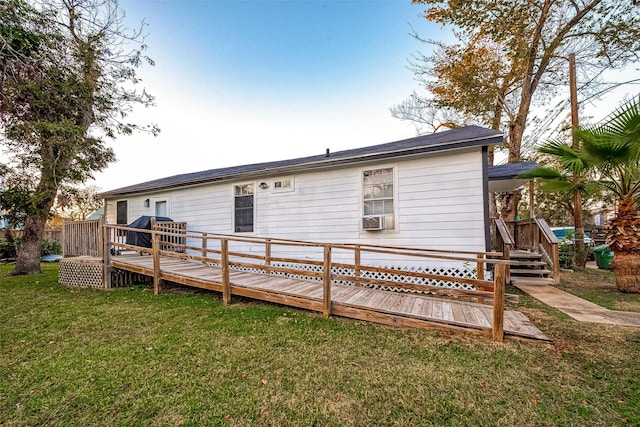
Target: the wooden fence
(87, 237)
(83, 238)
(48, 234)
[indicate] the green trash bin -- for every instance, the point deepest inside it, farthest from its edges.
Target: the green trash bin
(603, 256)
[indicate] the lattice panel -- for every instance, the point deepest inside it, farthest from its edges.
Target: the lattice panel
(81, 273)
(239, 268)
(453, 272)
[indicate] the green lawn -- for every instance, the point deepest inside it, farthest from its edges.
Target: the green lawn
(598, 286)
(127, 357)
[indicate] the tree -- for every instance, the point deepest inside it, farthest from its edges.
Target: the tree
(534, 39)
(67, 76)
(613, 148)
(572, 174)
(77, 203)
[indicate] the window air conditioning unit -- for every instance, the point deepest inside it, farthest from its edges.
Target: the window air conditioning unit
(373, 222)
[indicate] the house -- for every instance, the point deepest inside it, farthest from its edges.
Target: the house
(429, 191)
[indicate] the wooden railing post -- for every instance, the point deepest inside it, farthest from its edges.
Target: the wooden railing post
(155, 244)
(101, 231)
(326, 300)
(556, 263)
(224, 261)
(357, 262)
(497, 329)
(506, 255)
(480, 267)
(106, 256)
(204, 245)
(267, 252)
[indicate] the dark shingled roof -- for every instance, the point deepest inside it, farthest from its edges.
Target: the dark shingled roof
(510, 170)
(470, 136)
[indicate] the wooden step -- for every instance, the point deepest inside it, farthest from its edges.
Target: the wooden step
(528, 263)
(532, 280)
(518, 255)
(529, 272)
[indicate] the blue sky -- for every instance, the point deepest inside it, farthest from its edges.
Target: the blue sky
(240, 82)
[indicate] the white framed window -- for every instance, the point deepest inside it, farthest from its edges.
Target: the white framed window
(161, 208)
(243, 203)
(283, 185)
(378, 195)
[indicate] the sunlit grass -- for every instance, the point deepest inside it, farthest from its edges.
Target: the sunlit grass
(127, 357)
(599, 286)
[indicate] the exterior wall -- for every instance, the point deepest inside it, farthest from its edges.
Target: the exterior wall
(438, 200)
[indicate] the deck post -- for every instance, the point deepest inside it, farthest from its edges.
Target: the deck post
(356, 268)
(497, 329)
(267, 252)
(106, 255)
(155, 239)
(326, 294)
(480, 267)
(204, 245)
(224, 264)
(556, 263)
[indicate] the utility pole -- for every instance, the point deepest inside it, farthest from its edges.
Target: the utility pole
(581, 257)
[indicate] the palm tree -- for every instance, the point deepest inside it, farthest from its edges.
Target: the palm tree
(573, 177)
(613, 149)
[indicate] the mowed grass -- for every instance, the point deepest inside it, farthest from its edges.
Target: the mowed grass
(127, 357)
(598, 286)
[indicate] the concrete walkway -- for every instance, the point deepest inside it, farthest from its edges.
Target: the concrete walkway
(578, 308)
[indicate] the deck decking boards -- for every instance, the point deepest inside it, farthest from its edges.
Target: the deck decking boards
(308, 294)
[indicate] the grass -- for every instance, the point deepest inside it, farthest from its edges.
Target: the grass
(126, 357)
(598, 286)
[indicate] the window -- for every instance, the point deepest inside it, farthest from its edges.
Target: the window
(378, 194)
(161, 208)
(283, 185)
(243, 208)
(121, 212)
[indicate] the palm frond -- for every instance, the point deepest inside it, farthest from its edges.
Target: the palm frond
(541, 172)
(568, 158)
(559, 186)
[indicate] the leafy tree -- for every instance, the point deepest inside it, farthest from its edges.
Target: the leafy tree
(67, 76)
(524, 46)
(572, 176)
(77, 203)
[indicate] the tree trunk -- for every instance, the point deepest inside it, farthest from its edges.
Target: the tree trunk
(28, 253)
(626, 270)
(625, 243)
(509, 205)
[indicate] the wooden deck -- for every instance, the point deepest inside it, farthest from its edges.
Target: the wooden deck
(358, 302)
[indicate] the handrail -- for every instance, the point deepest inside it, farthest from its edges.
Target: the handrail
(544, 228)
(548, 246)
(506, 236)
(329, 258)
(505, 244)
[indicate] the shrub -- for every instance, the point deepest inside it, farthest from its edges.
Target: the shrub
(50, 247)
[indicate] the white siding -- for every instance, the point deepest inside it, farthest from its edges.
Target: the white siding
(439, 203)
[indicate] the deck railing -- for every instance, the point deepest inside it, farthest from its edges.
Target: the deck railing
(323, 262)
(534, 234)
(528, 234)
(82, 238)
(504, 243)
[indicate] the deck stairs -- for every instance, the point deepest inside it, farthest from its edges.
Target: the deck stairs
(529, 269)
